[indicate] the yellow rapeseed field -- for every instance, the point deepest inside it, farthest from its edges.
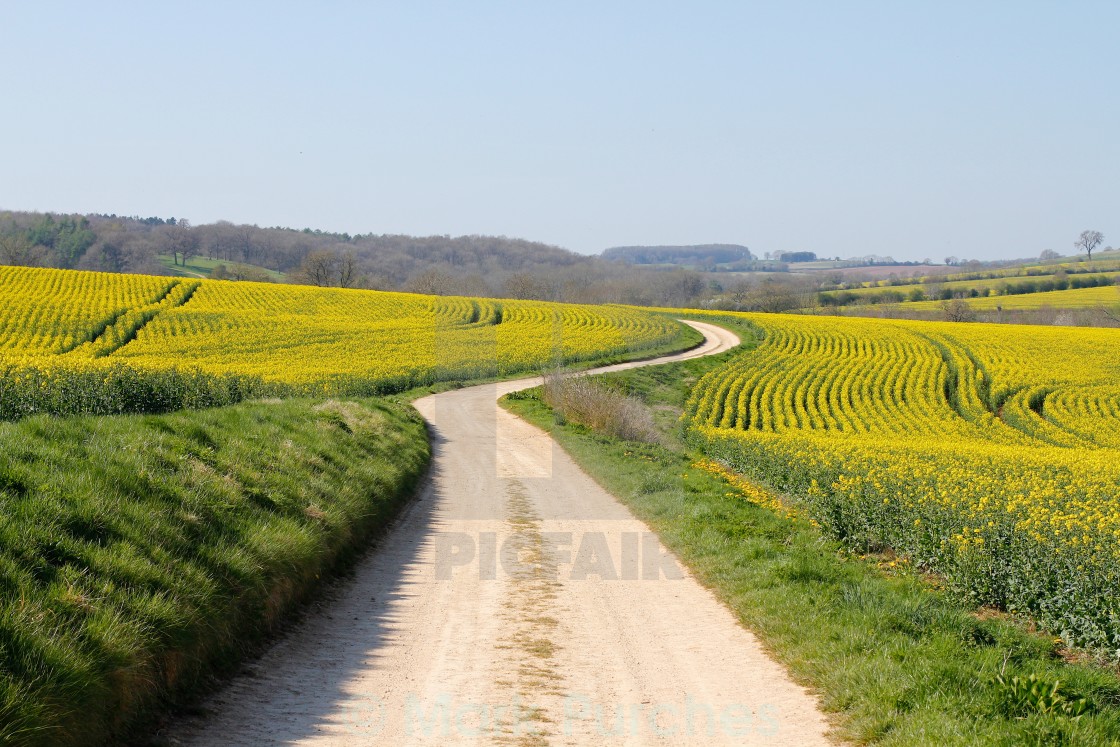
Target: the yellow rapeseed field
(96, 342)
(989, 454)
(300, 335)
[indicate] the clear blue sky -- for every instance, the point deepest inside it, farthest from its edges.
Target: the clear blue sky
(977, 129)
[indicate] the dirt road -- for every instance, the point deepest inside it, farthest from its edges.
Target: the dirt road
(514, 602)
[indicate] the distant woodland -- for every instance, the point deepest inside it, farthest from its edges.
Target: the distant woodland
(708, 256)
(442, 265)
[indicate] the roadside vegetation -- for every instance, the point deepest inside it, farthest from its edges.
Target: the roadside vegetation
(582, 400)
(140, 556)
(894, 655)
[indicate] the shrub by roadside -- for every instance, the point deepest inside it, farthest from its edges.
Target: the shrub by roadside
(584, 401)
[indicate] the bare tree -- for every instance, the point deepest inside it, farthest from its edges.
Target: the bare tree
(16, 249)
(774, 296)
(738, 294)
(1088, 241)
(347, 265)
(240, 238)
(217, 239)
(318, 268)
(1048, 254)
(521, 285)
(431, 282)
(179, 239)
(957, 310)
(473, 285)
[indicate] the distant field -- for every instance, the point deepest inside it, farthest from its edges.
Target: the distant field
(1002, 287)
(995, 284)
(1104, 262)
(874, 271)
(1106, 295)
(724, 278)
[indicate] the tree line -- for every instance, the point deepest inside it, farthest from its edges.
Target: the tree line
(495, 266)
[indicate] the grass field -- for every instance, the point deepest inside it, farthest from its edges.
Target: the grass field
(202, 267)
(896, 660)
(140, 555)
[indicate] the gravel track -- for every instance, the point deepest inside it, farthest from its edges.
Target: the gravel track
(513, 602)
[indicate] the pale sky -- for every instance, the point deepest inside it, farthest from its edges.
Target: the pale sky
(977, 129)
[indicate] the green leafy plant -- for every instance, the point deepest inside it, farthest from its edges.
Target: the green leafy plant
(1035, 694)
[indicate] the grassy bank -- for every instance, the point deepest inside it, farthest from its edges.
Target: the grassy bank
(204, 267)
(139, 555)
(896, 661)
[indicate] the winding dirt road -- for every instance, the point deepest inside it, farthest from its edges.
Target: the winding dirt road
(514, 602)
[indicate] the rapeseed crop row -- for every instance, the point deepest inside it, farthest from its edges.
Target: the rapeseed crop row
(83, 342)
(51, 312)
(988, 454)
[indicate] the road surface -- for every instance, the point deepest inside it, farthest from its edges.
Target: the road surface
(514, 602)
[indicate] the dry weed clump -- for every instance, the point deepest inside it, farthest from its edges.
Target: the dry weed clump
(582, 400)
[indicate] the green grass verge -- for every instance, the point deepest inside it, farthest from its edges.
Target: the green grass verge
(141, 555)
(894, 661)
(202, 267)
